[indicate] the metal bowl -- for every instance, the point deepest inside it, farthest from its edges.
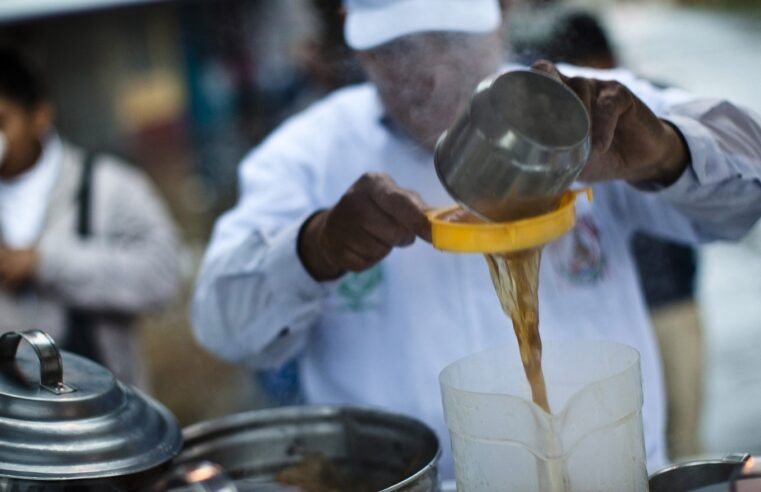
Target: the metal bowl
(520, 144)
(381, 450)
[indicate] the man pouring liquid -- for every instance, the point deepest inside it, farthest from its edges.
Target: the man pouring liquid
(320, 258)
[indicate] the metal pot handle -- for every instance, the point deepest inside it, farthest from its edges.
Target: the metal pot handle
(51, 367)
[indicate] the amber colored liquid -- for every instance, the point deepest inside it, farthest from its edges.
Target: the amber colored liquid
(516, 280)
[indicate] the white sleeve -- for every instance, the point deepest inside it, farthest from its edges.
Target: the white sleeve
(129, 264)
(719, 194)
(720, 191)
(254, 302)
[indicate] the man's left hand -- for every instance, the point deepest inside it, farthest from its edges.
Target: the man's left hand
(628, 141)
(17, 266)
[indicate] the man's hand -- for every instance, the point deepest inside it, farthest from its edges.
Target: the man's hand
(372, 217)
(17, 266)
(628, 141)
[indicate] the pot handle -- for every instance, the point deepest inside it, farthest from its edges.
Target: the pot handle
(200, 476)
(51, 367)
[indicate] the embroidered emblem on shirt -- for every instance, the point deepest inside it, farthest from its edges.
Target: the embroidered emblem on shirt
(356, 290)
(579, 256)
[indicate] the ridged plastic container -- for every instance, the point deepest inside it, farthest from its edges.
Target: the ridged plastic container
(593, 441)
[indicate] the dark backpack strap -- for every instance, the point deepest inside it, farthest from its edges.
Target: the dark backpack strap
(84, 197)
(80, 324)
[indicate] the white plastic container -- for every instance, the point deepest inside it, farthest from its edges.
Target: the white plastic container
(501, 440)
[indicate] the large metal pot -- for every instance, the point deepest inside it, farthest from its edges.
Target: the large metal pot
(735, 472)
(381, 450)
(519, 145)
(78, 430)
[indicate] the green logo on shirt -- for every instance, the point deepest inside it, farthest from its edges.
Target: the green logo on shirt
(356, 290)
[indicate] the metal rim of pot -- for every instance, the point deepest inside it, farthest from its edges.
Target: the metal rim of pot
(80, 424)
(199, 435)
(201, 476)
(698, 474)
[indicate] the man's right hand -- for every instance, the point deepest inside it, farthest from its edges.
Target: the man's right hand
(371, 218)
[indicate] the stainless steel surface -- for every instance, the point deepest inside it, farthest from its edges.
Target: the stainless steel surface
(391, 452)
(522, 141)
(203, 476)
(51, 368)
(694, 475)
(100, 429)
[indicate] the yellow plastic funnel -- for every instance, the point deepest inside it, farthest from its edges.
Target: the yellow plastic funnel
(503, 237)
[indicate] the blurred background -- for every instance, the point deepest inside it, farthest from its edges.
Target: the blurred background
(184, 88)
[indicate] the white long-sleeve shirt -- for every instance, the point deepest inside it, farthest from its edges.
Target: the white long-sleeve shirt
(381, 337)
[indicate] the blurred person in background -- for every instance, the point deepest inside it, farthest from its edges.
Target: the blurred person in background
(561, 35)
(86, 243)
(667, 269)
(319, 258)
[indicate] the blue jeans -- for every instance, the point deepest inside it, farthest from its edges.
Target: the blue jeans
(282, 386)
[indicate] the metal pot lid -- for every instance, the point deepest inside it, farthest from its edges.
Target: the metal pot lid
(64, 417)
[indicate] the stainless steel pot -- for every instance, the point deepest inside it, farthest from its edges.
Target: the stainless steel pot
(200, 476)
(733, 472)
(78, 428)
(521, 142)
(384, 451)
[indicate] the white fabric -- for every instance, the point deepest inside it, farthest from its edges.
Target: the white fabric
(381, 337)
(370, 23)
(128, 266)
(24, 199)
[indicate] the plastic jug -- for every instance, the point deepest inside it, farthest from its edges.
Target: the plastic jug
(593, 441)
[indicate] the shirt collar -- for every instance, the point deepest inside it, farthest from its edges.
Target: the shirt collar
(43, 175)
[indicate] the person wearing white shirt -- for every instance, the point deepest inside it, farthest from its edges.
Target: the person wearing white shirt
(319, 259)
(86, 243)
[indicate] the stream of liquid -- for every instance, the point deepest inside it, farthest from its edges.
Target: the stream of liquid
(516, 280)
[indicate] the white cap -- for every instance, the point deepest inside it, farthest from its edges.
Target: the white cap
(370, 23)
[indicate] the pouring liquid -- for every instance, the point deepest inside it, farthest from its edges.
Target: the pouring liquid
(515, 277)
(516, 281)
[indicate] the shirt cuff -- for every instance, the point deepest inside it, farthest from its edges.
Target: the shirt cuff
(287, 272)
(303, 297)
(266, 298)
(706, 157)
(705, 160)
